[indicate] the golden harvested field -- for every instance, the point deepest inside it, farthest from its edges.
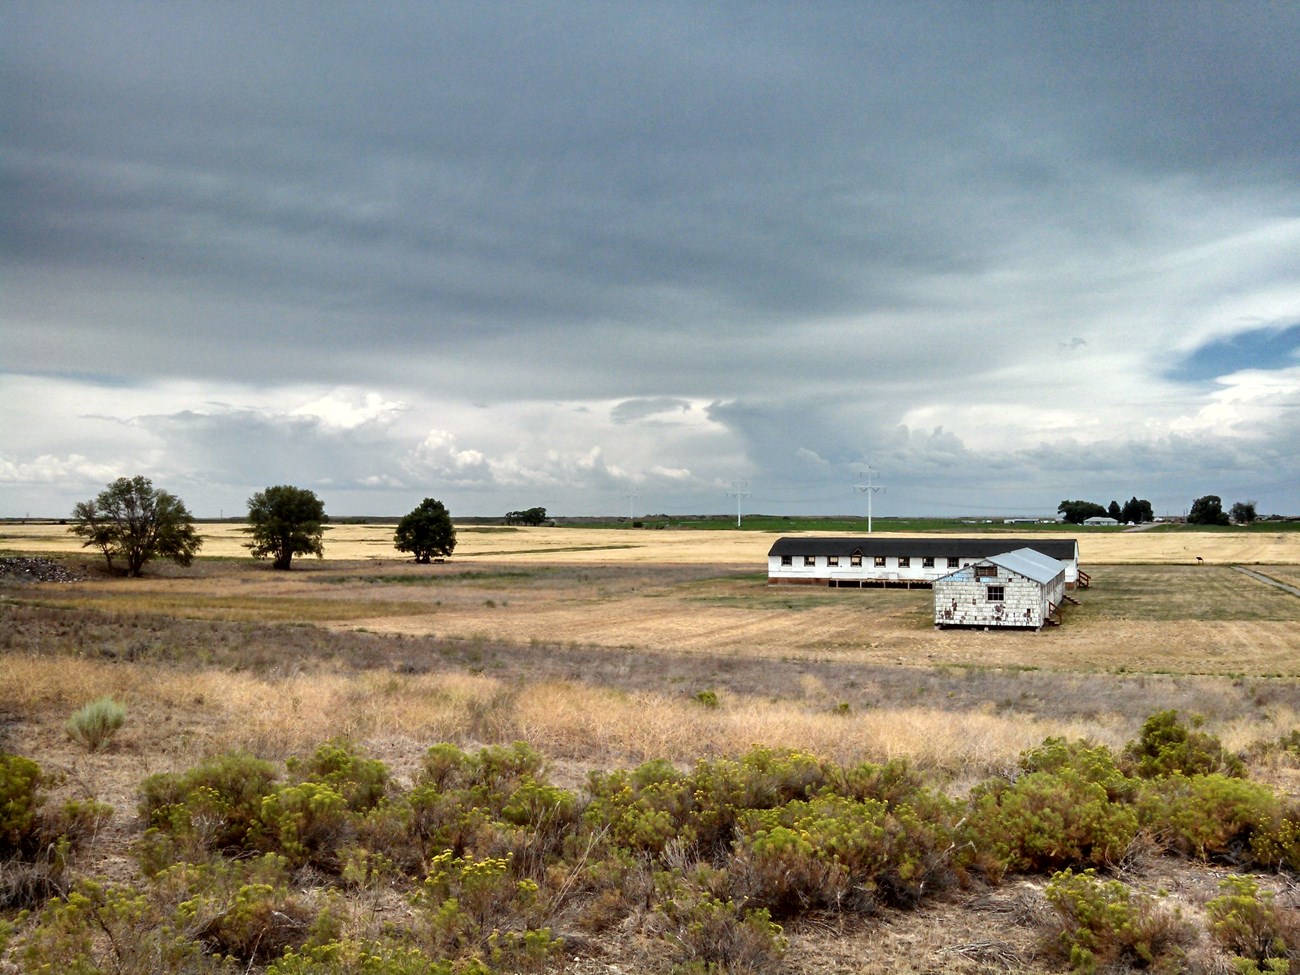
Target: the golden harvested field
(692, 547)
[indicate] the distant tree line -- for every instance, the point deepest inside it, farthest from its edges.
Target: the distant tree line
(1134, 511)
(1207, 510)
(529, 516)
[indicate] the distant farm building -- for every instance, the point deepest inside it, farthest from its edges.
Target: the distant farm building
(1022, 589)
(890, 560)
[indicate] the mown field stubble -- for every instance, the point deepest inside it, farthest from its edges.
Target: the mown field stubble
(604, 649)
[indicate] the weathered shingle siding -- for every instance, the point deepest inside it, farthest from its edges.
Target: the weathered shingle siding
(962, 600)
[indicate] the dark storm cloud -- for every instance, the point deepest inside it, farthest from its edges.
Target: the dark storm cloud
(845, 225)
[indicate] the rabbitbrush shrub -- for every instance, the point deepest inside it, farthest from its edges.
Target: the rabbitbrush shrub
(367, 958)
(341, 765)
(711, 936)
(37, 845)
(1166, 746)
(214, 807)
(20, 803)
(479, 909)
(1104, 924)
(842, 854)
(1246, 921)
(1208, 816)
(96, 723)
(1044, 821)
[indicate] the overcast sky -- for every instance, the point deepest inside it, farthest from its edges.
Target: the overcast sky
(634, 257)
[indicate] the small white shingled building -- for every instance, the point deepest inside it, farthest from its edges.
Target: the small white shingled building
(1022, 589)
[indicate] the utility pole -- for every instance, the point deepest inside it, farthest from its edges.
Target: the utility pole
(868, 489)
(631, 500)
(737, 491)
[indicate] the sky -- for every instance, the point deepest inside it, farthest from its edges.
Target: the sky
(651, 257)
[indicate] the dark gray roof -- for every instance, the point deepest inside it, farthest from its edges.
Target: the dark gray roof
(1062, 549)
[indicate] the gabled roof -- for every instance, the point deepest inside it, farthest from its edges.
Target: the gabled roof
(1030, 564)
(1062, 549)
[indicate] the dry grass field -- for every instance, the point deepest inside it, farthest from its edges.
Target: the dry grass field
(690, 547)
(595, 647)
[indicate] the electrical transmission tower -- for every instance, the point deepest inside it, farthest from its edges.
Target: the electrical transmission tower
(631, 500)
(737, 491)
(868, 489)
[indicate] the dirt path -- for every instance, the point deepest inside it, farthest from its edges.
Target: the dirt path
(1259, 576)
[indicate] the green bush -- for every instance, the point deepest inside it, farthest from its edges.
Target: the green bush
(1103, 923)
(339, 764)
(842, 854)
(1276, 845)
(1045, 821)
(1169, 747)
(711, 936)
(1208, 816)
(20, 805)
(1246, 921)
(708, 698)
(1083, 760)
(469, 908)
(96, 723)
(216, 806)
(102, 927)
(366, 958)
(654, 806)
(309, 823)
(37, 846)
(238, 909)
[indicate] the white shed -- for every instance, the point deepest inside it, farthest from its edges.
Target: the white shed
(1022, 589)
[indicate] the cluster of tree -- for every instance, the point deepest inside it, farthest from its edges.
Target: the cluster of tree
(529, 516)
(134, 522)
(1133, 511)
(1208, 510)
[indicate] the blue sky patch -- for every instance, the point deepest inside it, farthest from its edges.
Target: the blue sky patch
(1264, 348)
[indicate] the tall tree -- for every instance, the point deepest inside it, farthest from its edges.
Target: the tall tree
(1115, 512)
(136, 522)
(1077, 512)
(426, 532)
(1207, 510)
(1243, 512)
(1135, 511)
(285, 521)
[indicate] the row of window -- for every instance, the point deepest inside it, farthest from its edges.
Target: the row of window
(904, 562)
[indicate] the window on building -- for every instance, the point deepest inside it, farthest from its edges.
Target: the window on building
(832, 560)
(986, 572)
(904, 562)
(855, 560)
(953, 561)
(880, 561)
(787, 560)
(996, 593)
(810, 560)
(927, 563)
